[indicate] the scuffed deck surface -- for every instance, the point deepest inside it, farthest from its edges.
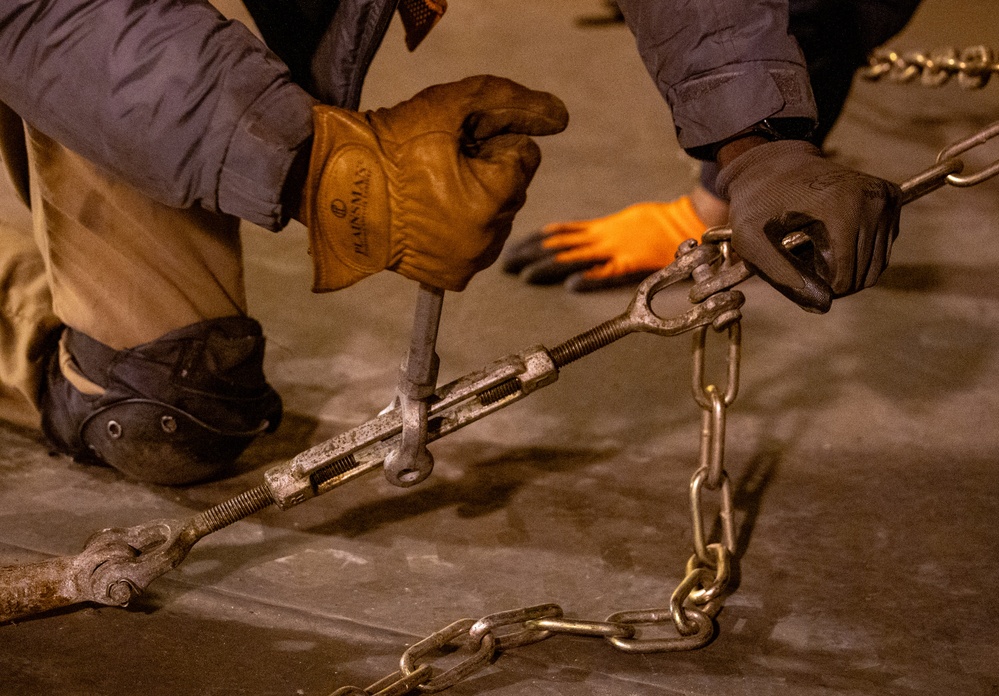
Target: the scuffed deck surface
(862, 447)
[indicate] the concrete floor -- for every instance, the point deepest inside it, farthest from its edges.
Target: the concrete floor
(862, 447)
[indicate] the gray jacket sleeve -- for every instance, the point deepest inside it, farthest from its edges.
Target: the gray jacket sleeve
(184, 105)
(722, 65)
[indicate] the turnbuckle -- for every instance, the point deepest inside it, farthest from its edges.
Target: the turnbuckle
(509, 379)
(118, 564)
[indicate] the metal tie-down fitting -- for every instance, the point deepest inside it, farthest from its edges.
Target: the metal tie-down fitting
(412, 462)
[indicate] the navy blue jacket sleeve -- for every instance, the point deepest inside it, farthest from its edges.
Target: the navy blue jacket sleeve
(722, 65)
(168, 95)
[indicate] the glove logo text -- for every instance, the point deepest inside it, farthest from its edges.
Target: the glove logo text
(359, 208)
(338, 208)
(355, 213)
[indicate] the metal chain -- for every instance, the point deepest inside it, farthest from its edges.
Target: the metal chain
(698, 598)
(973, 66)
(693, 605)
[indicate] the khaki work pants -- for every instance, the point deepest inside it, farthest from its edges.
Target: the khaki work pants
(98, 256)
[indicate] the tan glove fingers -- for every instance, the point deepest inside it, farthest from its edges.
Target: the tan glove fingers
(464, 108)
(508, 107)
(490, 106)
(445, 271)
(505, 166)
(447, 251)
(508, 148)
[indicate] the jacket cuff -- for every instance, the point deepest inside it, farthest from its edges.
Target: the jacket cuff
(263, 147)
(716, 105)
(787, 152)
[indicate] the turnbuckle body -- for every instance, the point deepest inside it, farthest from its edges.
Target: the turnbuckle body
(509, 379)
(453, 406)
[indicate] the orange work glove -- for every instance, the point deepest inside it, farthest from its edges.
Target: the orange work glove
(618, 249)
(427, 188)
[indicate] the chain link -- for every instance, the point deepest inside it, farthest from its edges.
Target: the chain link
(580, 627)
(951, 152)
(700, 596)
(693, 605)
(484, 651)
(714, 402)
(709, 596)
(395, 684)
(973, 66)
(725, 516)
(530, 634)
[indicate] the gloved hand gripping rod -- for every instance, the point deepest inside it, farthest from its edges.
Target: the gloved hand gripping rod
(946, 170)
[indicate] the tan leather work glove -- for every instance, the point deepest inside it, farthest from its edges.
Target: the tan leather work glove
(427, 188)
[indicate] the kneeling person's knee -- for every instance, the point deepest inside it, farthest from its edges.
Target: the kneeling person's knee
(176, 410)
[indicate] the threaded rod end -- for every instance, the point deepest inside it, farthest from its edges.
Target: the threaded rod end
(234, 509)
(587, 342)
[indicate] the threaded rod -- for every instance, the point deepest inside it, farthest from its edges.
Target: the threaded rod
(234, 509)
(588, 341)
(332, 470)
(499, 392)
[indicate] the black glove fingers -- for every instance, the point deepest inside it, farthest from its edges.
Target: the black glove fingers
(883, 214)
(764, 251)
(548, 271)
(881, 253)
(536, 264)
(521, 254)
(800, 281)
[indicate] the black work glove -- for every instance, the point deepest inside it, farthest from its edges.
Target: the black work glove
(851, 217)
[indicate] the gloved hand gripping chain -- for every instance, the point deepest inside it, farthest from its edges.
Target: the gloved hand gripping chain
(117, 564)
